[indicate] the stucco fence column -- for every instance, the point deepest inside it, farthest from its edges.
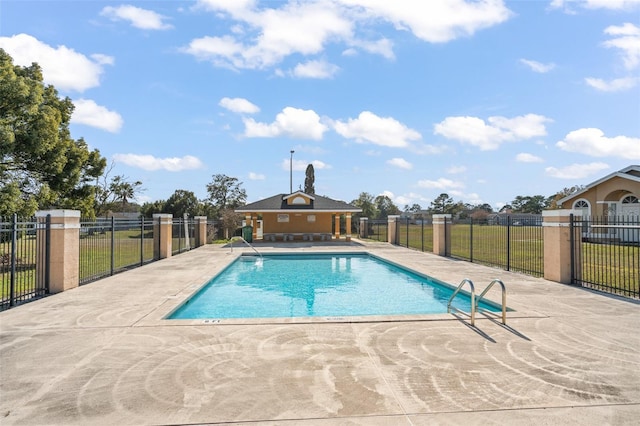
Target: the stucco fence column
(557, 244)
(162, 234)
(392, 228)
(442, 234)
(201, 230)
(64, 266)
(364, 227)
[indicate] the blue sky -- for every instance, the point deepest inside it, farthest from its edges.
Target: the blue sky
(484, 100)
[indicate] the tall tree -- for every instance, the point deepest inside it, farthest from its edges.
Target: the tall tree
(41, 166)
(181, 202)
(365, 201)
(115, 193)
(226, 193)
(529, 204)
(309, 180)
(443, 204)
(385, 207)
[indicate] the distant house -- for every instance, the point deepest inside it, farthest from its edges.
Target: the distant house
(514, 219)
(297, 216)
(615, 195)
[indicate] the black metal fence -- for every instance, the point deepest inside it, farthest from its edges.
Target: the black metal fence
(607, 254)
(377, 229)
(23, 259)
(183, 233)
(415, 233)
(512, 243)
(109, 246)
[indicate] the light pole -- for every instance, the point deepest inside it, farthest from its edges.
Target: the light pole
(291, 173)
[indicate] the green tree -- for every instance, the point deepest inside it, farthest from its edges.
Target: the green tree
(365, 201)
(529, 204)
(41, 166)
(309, 180)
(225, 193)
(443, 204)
(385, 207)
(150, 208)
(181, 202)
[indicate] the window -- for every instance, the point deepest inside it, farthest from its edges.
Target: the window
(283, 218)
(630, 199)
(581, 204)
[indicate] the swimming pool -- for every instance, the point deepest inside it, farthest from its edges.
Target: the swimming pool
(317, 285)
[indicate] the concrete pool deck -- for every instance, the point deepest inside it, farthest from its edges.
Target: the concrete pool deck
(101, 354)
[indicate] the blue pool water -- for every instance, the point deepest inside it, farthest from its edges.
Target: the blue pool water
(324, 285)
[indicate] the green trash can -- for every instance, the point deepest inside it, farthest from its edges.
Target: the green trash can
(247, 233)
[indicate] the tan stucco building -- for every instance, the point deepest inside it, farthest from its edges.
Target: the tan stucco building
(610, 206)
(616, 194)
(297, 216)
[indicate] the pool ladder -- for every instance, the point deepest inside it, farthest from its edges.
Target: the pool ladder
(476, 300)
(244, 241)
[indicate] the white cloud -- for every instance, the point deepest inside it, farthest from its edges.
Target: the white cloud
(400, 163)
(616, 85)
(151, 163)
(291, 122)
(436, 22)
(296, 28)
(301, 165)
(256, 176)
(239, 105)
(489, 136)
(597, 4)
(525, 157)
(627, 39)
(384, 131)
(593, 142)
(62, 67)
(455, 170)
(315, 69)
(139, 18)
(89, 113)
(538, 66)
(576, 171)
(442, 183)
(262, 37)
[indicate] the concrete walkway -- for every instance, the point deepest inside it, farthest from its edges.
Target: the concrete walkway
(102, 355)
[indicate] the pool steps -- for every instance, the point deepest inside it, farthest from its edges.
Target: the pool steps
(246, 242)
(476, 300)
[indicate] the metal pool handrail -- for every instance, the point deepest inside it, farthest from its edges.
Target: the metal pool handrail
(504, 298)
(244, 241)
(473, 300)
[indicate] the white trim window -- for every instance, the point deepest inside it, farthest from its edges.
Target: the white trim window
(282, 218)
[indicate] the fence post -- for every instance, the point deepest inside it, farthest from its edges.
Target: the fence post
(162, 235)
(364, 227)
(201, 230)
(557, 231)
(442, 234)
(64, 264)
(12, 262)
(392, 229)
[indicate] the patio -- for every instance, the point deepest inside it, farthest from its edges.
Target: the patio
(102, 354)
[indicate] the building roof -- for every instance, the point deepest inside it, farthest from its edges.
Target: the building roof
(630, 172)
(278, 203)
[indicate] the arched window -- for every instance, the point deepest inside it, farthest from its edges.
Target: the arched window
(581, 204)
(630, 199)
(583, 208)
